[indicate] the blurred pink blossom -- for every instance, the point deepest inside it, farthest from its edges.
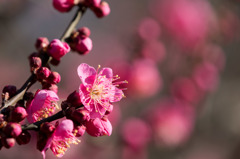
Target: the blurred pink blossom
(154, 50)
(149, 29)
(145, 79)
(206, 76)
(214, 54)
(184, 88)
(136, 133)
(172, 122)
(188, 21)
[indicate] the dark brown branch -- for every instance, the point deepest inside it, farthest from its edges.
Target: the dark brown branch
(36, 125)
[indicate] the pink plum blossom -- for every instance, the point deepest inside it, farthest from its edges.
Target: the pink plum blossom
(61, 139)
(42, 105)
(99, 127)
(98, 90)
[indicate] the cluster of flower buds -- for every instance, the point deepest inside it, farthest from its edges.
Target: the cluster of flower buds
(10, 127)
(100, 8)
(56, 50)
(80, 42)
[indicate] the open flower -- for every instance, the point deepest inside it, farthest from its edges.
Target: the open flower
(42, 105)
(61, 139)
(98, 90)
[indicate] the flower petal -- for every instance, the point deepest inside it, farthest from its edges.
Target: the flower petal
(116, 94)
(84, 71)
(106, 72)
(64, 128)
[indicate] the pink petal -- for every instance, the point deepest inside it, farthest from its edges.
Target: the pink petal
(84, 71)
(116, 94)
(97, 114)
(106, 72)
(64, 128)
(107, 126)
(52, 96)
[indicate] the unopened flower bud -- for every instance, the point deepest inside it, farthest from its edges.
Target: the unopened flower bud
(34, 54)
(54, 78)
(23, 138)
(18, 114)
(65, 105)
(74, 99)
(43, 73)
(102, 10)
(99, 127)
(47, 128)
(58, 49)
(12, 130)
(81, 115)
(84, 32)
(41, 43)
(63, 5)
(35, 63)
(78, 131)
(10, 89)
(83, 45)
(8, 142)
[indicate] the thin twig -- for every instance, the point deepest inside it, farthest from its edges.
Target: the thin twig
(36, 125)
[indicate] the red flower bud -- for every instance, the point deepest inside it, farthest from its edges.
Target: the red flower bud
(23, 138)
(18, 114)
(81, 115)
(102, 10)
(41, 43)
(84, 32)
(35, 63)
(54, 78)
(8, 142)
(10, 89)
(12, 130)
(74, 99)
(47, 128)
(43, 73)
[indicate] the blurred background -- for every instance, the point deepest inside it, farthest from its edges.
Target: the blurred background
(180, 57)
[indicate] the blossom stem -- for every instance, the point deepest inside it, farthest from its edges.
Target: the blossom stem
(45, 60)
(36, 125)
